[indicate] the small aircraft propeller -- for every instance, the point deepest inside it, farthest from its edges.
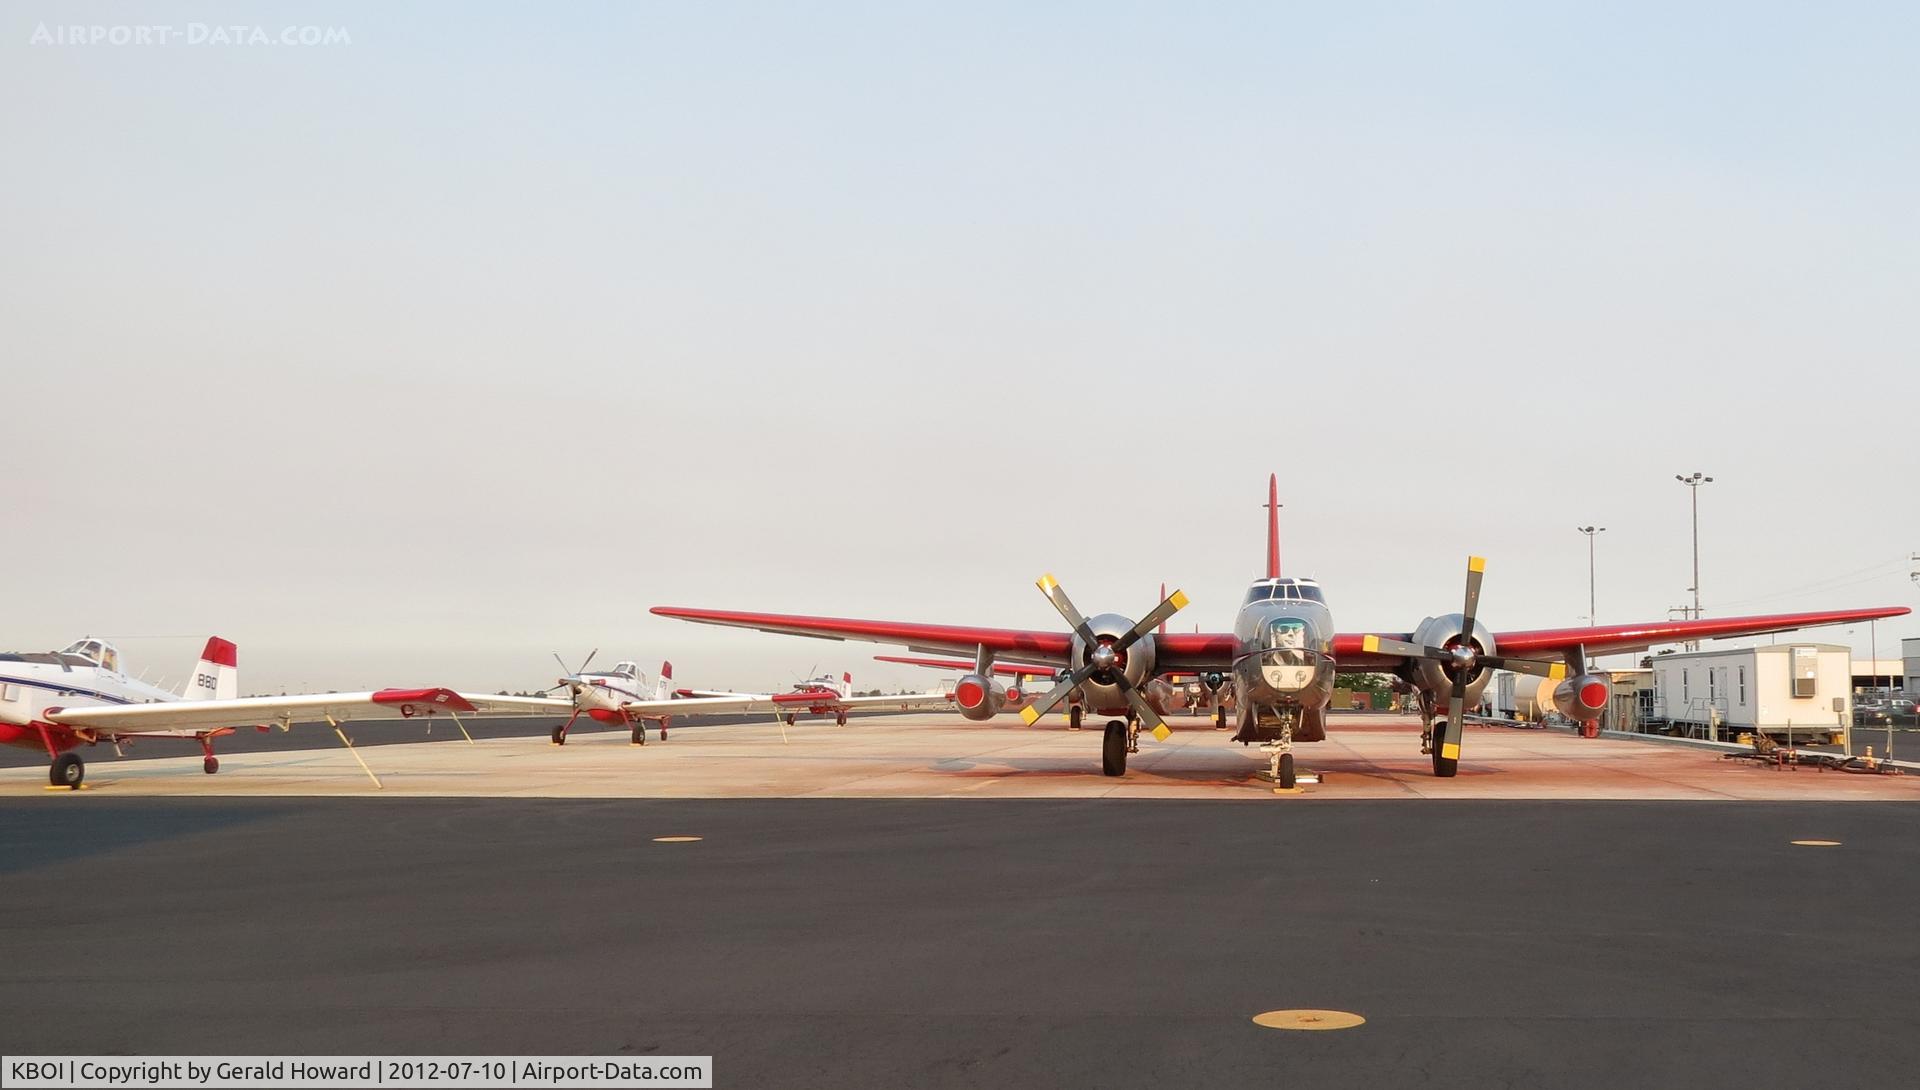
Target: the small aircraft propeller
(568, 671)
(1105, 662)
(1461, 660)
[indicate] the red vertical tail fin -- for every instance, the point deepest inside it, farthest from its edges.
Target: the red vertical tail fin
(1273, 526)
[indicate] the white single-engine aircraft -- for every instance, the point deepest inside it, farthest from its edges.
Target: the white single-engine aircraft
(59, 700)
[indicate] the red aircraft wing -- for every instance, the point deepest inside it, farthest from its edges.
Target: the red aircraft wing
(1613, 639)
(944, 638)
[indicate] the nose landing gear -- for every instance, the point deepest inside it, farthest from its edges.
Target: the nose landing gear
(1113, 749)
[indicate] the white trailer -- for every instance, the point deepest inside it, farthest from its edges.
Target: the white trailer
(1793, 692)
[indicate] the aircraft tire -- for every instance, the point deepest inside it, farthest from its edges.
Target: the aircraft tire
(1073, 717)
(1444, 767)
(559, 736)
(639, 735)
(1113, 749)
(790, 719)
(210, 765)
(1219, 718)
(842, 721)
(1288, 780)
(67, 771)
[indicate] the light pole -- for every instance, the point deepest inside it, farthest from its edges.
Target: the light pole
(1693, 484)
(1593, 618)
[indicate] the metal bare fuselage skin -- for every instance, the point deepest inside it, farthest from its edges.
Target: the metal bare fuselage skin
(1283, 669)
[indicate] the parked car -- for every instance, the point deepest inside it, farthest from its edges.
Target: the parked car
(1899, 712)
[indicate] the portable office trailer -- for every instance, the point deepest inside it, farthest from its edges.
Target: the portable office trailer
(1791, 691)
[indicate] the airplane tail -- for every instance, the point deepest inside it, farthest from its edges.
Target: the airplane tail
(846, 684)
(663, 685)
(1273, 526)
(217, 675)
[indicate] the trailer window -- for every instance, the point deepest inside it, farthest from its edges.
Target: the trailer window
(1743, 686)
(1686, 687)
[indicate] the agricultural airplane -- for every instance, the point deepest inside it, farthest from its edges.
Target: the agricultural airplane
(61, 699)
(1281, 658)
(824, 695)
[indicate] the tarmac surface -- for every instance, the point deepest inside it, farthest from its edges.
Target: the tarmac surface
(894, 942)
(907, 901)
(940, 756)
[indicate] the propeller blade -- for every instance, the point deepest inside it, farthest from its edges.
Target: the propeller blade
(1476, 570)
(1453, 728)
(587, 661)
(1032, 712)
(1174, 603)
(1536, 667)
(564, 668)
(1056, 594)
(1387, 645)
(1144, 712)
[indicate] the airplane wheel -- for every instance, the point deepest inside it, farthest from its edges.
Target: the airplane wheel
(1287, 779)
(1113, 751)
(1219, 719)
(790, 719)
(639, 736)
(559, 736)
(1073, 717)
(842, 720)
(211, 765)
(1444, 767)
(67, 771)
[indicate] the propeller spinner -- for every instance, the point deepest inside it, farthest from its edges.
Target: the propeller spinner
(1105, 658)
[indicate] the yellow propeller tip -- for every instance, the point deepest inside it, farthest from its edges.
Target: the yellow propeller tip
(1028, 715)
(1179, 599)
(1477, 564)
(1048, 582)
(1558, 672)
(1371, 645)
(1162, 733)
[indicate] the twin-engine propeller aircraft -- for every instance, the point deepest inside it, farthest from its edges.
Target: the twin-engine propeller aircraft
(59, 700)
(1282, 657)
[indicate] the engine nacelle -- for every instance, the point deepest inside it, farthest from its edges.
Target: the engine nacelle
(1583, 698)
(978, 698)
(1136, 665)
(1441, 632)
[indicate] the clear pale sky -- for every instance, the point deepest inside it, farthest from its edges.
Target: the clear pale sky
(413, 359)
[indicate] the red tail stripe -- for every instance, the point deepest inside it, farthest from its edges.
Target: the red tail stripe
(221, 652)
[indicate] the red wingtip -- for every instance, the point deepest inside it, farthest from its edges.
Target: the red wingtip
(221, 652)
(1273, 526)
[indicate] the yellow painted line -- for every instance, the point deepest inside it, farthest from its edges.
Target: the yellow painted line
(1818, 843)
(675, 839)
(1450, 751)
(1308, 1019)
(64, 787)
(1179, 599)
(1477, 564)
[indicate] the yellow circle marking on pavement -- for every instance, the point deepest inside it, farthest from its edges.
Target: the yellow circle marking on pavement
(1308, 1019)
(1818, 843)
(675, 839)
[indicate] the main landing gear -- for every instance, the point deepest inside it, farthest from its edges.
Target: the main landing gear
(1219, 717)
(67, 771)
(1114, 749)
(1073, 718)
(840, 720)
(640, 733)
(208, 762)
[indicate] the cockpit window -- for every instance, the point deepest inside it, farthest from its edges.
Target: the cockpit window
(1287, 591)
(628, 669)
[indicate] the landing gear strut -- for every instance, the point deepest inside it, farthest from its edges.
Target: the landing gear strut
(67, 771)
(1280, 755)
(560, 732)
(1113, 749)
(1133, 735)
(208, 762)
